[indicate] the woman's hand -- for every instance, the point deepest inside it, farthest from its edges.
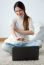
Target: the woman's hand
(20, 39)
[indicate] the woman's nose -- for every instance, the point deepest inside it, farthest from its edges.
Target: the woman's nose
(18, 13)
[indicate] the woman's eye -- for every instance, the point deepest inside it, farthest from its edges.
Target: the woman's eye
(18, 11)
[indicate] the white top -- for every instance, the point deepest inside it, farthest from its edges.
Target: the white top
(19, 25)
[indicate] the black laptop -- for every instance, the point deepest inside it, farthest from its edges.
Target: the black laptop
(25, 53)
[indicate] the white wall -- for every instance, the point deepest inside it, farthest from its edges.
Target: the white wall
(34, 8)
(37, 10)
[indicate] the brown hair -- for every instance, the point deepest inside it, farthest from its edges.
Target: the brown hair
(25, 21)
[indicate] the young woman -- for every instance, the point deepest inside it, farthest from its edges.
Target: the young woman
(21, 28)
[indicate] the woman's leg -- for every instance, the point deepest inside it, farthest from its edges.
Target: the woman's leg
(34, 43)
(8, 46)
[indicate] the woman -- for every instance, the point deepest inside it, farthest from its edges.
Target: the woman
(21, 27)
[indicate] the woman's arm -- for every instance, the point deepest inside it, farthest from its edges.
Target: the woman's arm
(12, 28)
(27, 32)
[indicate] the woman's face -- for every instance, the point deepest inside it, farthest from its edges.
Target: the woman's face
(19, 11)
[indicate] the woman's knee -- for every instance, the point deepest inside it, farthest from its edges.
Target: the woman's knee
(6, 48)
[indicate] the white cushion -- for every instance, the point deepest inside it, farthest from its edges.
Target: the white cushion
(36, 30)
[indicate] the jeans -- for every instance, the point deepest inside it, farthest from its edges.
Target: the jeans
(8, 46)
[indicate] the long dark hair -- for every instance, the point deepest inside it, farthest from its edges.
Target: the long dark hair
(25, 21)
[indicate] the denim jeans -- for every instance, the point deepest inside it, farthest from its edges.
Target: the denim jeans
(8, 46)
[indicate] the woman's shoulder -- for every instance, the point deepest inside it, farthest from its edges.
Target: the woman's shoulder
(13, 20)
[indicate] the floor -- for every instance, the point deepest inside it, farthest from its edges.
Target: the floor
(6, 58)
